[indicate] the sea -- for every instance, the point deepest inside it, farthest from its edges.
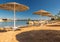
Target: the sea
(11, 23)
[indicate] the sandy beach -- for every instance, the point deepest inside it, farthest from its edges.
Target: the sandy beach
(13, 36)
(29, 20)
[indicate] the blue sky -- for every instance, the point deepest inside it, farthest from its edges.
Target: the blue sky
(52, 6)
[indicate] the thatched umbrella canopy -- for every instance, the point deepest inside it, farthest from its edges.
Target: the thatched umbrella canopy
(43, 13)
(15, 7)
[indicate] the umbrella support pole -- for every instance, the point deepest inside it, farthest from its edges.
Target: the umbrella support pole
(14, 28)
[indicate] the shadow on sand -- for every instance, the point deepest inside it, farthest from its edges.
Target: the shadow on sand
(39, 36)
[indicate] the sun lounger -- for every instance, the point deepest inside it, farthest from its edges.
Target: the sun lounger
(54, 24)
(8, 28)
(30, 23)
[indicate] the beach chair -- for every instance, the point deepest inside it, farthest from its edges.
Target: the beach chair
(36, 23)
(54, 24)
(30, 23)
(8, 28)
(42, 22)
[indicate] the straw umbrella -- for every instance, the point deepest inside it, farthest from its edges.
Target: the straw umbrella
(14, 7)
(43, 13)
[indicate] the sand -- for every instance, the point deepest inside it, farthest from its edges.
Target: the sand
(10, 36)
